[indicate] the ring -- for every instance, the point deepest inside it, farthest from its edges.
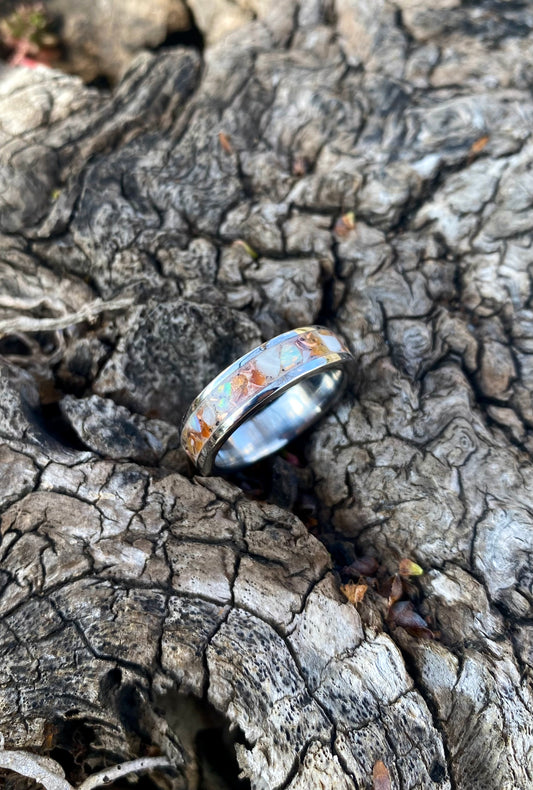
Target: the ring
(265, 399)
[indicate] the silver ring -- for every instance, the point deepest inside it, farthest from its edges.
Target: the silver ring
(265, 399)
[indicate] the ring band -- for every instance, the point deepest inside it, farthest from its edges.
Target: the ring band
(266, 398)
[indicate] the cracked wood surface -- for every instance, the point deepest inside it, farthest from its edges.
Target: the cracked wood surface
(125, 583)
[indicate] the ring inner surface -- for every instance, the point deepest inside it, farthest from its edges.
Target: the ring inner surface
(280, 421)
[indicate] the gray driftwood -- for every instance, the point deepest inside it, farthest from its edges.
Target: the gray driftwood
(130, 589)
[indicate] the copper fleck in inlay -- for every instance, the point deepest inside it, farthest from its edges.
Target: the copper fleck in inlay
(256, 372)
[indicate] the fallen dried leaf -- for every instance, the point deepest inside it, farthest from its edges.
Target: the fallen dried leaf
(50, 733)
(409, 568)
(361, 566)
(225, 142)
(345, 224)
(478, 146)
(381, 776)
(403, 614)
(299, 166)
(354, 592)
(396, 590)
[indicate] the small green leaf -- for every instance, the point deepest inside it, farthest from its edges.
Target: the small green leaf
(250, 250)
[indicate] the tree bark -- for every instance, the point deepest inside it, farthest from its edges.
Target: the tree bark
(150, 236)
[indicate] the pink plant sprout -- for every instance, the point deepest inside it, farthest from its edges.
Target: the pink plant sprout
(25, 33)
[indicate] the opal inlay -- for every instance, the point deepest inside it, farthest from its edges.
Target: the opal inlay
(195, 422)
(250, 378)
(332, 342)
(290, 355)
(208, 414)
(268, 362)
(222, 397)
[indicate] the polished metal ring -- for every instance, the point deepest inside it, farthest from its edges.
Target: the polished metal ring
(265, 399)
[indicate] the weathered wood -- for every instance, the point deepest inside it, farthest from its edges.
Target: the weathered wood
(129, 587)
